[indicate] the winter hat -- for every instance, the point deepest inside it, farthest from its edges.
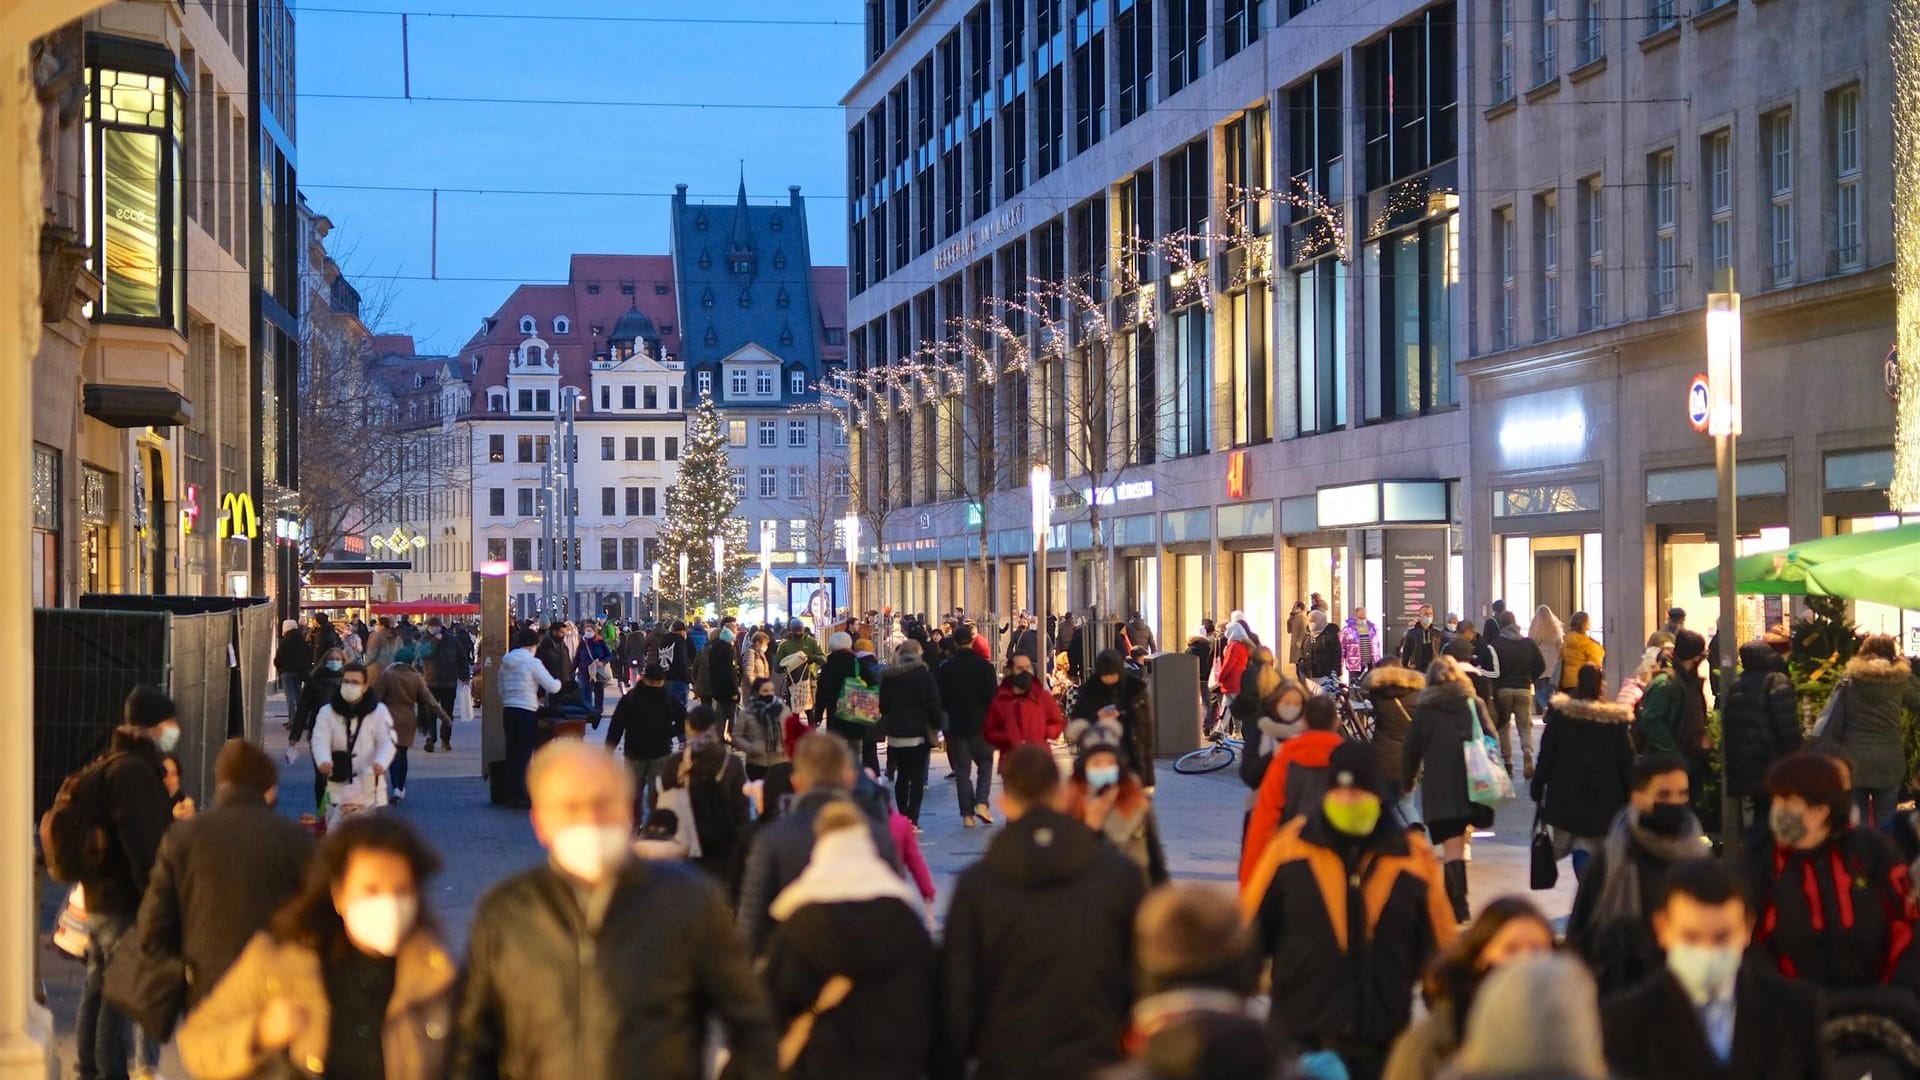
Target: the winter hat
(839, 640)
(147, 706)
(1193, 930)
(287, 625)
(1355, 765)
(1088, 736)
(1688, 645)
(658, 671)
(1563, 1039)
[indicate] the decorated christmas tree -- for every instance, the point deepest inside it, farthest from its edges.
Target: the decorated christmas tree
(700, 506)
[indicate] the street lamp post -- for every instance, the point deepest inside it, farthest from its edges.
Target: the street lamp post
(1723, 423)
(545, 561)
(719, 573)
(683, 586)
(656, 590)
(766, 571)
(1040, 486)
(570, 405)
(851, 527)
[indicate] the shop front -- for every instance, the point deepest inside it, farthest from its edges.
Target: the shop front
(1246, 536)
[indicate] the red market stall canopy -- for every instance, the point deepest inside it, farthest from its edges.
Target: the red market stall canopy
(424, 607)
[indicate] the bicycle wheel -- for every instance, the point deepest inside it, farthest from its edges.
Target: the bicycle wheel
(1210, 758)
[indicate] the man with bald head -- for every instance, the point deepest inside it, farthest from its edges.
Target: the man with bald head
(598, 965)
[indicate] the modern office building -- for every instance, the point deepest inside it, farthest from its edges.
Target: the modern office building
(1627, 162)
(1264, 202)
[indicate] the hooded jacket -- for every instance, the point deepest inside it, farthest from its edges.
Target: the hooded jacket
(1037, 961)
(1521, 662)
(141, 812)
(1130, 697)
(1391, 689)
(1444, 717)
(1294, 780)
(1866, 721)
(1320, 656)
(1577, 650)
(646, 721)
(884, 1027)
(549, 997)
(1585, 771)
(404, 693)
(967, 688)
(1360, 646)
(780, 854)
(1015, 719)
(723, 669)
(909, 701)
(1342, 981)
(1761, 723)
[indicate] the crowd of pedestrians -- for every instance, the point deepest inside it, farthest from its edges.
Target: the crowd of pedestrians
(734, 884)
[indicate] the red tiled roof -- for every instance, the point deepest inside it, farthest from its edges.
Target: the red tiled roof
(393, 345)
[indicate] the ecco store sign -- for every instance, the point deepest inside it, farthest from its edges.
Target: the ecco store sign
(980, 236)
(1106, 495)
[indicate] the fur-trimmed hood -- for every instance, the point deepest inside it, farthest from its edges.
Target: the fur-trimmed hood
(1598, 712)
(1874, 669)
(1445, 695)
(1395, 677)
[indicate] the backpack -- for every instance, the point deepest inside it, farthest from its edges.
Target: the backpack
(76, 831)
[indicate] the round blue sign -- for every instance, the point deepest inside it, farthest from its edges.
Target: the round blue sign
(1698, 402)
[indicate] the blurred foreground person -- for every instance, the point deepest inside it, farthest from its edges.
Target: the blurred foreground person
(1537, 1019)
(1508, 930)
(1195, 1019)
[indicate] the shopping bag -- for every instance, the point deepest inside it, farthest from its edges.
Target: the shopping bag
(680, 801)
(1546, 866)
(70, 934)
(859, 703)
(1487, 783)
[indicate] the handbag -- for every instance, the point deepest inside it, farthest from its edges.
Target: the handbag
(793, 1041)
(679, 800)
(1487, 783)
(1823, 728)
(1545, 873)
(150, 989)
(859, 703)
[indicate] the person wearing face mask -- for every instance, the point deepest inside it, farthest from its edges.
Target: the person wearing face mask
(1586, 768)
(910, 721)
(133, 797)
(353, 746)
(1507, 930)
(1104, 795)
(1360, 646)
(1673, 710)
(1445, 715)
(318, 688)
(1704, 1013)
(1117, 695)
(1320, 657)
(760, 732)
(1274, 706)
(350, 980)
(1830, 898)
(1864, 721)
(1340, 986)
(1022, 711)
(1421, 643)
(1655, 834)
(597, 965)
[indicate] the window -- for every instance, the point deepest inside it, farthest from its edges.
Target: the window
(796, 384)
(769, 482)
(543, 400)
(496, 549)
(1843, 108)
(523, 445)
(1506, 258)
(609, 501)
(739, 483)
(769, 432)
(627, 397)
(1659, 15)
(646, 448)
(1315, 163)
(1593, 289)
(647, 501)
(632, 448)
(1186, 43)
(629, 553)
(796, 433)
(609, 553)
(703, 383)
(1090, 19)
(736, 433)
(1242, 25)
(526, 324)
(541, 445)
(673, 399)
(1716, 158)
(840, 435)
(737, 383)
(1133, 26)
(1252, 393)
(496, 448)
(649, 398)
(1546, 228)
(1546, 60)
(1593, 44)
(796, 482)
(606, 398)
(496, 502)
(673, 449)
(525, 399)
(526, 501)
(1414, 274)
(763, 383)
(496, 401)
(1321, 342)
(1409, 87)
(1503, 65)
(1777, 132)
(1664, 196)
(522, 554)
(606, 448)
(561, 325)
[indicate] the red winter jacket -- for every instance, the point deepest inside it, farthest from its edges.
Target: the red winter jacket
(1015, 718)
(1233, 663)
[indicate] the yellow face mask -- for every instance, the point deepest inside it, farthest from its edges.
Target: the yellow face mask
(1350, 815)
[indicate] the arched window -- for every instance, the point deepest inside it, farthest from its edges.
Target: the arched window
(526, 324)
(561, 325)
(496, 402)
(535, 355)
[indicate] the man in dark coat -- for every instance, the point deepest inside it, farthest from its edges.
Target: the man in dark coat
(1422, 642)
(1704, 1014)
(221, 874)
(1113, 687)
(723, 676)
(449, 663)
(136, 802)
(292, 659)
(823, 770)
(1761, 724)
(1037, 962)
(645, 723)
(1521, 665)
(910, 719)
(597, 965)
(967, 687)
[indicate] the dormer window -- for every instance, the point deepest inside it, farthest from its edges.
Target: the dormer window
(476, 365)
(593, 288)
(779, 260)
(703, 383)
(786, 336)
(700, 221)
(796, 383)
(561, 325)
(740, 264)
(526, 324)
(746, 299)
(775, 223)
(706, 261)
(712, 337)
(535, 355)
(496, 402)
(782, 300)
(706, 298)
(626, 288)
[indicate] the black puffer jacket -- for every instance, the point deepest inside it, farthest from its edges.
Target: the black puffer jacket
(1392, 689)
(884, 1027)
(1037, 962)
(1443, 718)
(909, 701)
(547, 998)
(1129, 695)
(1586, 765)
(1761, 724)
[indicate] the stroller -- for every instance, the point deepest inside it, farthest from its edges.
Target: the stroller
(1870, 1033)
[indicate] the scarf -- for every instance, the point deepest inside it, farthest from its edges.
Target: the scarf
(1620, 892)
(844, 868)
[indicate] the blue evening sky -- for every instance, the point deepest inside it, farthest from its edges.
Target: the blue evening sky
(508, 238)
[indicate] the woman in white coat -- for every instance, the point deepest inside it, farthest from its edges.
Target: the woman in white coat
(353, 745)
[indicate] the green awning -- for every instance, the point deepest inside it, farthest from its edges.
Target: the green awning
(1882, 566)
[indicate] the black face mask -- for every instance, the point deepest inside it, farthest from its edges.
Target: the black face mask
(1021, 680)
(1667, 819)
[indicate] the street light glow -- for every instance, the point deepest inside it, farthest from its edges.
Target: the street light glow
(1723, 363)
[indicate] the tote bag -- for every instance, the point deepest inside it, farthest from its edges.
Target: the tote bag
(1487, 783)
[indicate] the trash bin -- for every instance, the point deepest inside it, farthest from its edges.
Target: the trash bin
(1175, 690)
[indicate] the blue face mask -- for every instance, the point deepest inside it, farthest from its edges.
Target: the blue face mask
(335, 665)
(1102, 777)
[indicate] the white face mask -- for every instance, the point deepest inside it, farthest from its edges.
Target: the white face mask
(377, 924)
(167, 737)
(351, 692)
(586, 851)
(1288, 711)
(1704, 971)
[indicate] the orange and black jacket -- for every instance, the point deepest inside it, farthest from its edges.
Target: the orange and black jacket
(1838, 915)
(1346, 942)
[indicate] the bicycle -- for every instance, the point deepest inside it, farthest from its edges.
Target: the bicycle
(1224, 746)
(1356, 713)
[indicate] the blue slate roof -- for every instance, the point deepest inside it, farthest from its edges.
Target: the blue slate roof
(744, 276)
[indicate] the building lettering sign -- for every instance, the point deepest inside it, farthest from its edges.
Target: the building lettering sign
(980, 236)
(190, 509)
(1237, 475)
(1106, 495)
(237, 518)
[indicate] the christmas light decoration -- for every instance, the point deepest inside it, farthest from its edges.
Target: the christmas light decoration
(700, 510)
